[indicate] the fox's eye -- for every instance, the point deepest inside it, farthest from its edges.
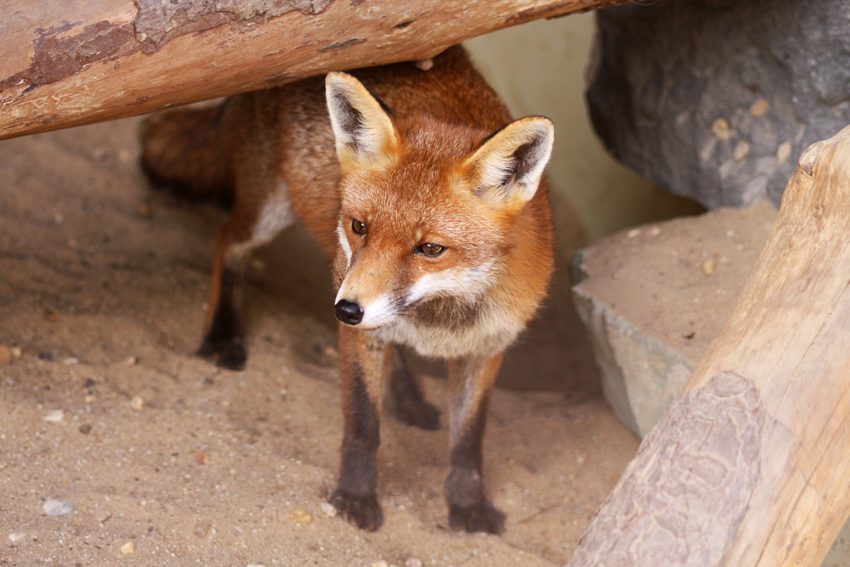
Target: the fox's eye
(431, 250)
(358, 227)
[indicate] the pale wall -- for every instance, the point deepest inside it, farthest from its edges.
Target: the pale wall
(538, 68)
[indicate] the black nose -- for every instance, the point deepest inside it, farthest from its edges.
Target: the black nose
(348, 312)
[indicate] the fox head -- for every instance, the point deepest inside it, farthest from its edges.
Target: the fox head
(428, 209)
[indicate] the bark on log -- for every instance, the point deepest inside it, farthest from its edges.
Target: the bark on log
(74, 62)
(750, 466)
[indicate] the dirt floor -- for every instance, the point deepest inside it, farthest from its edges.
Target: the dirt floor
(168, 460)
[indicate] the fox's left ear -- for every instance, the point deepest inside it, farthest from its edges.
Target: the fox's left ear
(364, 132)
(508, 166)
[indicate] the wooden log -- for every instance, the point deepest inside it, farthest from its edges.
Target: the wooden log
(750, 467)
(75, 62)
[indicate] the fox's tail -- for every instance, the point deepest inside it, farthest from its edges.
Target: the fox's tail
(184, 151)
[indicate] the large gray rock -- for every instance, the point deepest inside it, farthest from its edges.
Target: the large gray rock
(654, 298)
(715, 99)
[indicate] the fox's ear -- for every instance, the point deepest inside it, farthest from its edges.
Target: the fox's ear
(508, 166)
(364, 131)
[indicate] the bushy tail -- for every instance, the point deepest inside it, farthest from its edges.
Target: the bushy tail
(184, 151)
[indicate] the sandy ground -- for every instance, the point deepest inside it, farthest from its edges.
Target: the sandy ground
(168, 460)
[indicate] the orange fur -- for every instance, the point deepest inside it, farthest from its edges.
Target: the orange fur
(430, 201)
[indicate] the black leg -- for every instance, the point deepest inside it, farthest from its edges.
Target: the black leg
(362, 367)
(223, 339)
(470, 383)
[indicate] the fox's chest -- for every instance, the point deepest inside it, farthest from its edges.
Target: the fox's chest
(447, 330)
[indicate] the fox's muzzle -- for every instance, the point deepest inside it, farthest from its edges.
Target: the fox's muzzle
(348, 312)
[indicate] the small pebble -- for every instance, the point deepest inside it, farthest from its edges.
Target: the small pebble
(71, 361)
(413, 562)
(633, 233)
(202, 529)
(255, 565)
(380, 563)
(5, 355)
(57, 507)
(131, 361)
(90, 399)
(85, 428)
(708, 267)
(654, 231)
(128, 548)
(17, 536)
(46, 356)
(328, 509)
(721, 130)
(425, 64)
(16, 352)
(55, 416)
(201, 458)
(301, 516)
(137, 403)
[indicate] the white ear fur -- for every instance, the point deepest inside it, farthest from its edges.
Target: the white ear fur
(362, 127)
(508, 166)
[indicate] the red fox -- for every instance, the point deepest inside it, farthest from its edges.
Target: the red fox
(432, 206)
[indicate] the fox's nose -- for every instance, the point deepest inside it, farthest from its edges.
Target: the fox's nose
(348, 312)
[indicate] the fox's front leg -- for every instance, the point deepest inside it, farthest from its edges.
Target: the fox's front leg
(470, 386)
(364, 363)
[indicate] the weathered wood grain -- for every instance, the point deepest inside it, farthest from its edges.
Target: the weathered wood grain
(75, 62)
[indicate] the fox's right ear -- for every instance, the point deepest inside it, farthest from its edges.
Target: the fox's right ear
(364, 132)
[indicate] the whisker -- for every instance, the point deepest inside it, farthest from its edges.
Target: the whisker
(338, 272)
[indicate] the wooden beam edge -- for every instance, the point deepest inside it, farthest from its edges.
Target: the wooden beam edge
(111, 69)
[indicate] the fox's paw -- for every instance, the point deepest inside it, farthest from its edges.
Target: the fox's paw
(228, 354)
(419, 414)
(483, 517)
(362, 511)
